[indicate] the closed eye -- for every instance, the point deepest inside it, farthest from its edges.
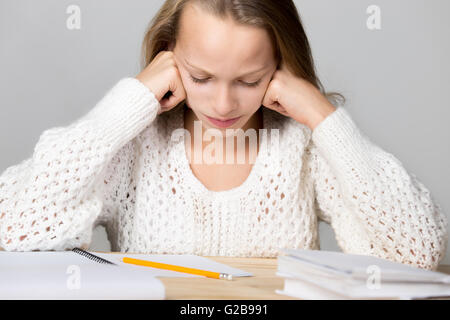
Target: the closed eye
(252, 84)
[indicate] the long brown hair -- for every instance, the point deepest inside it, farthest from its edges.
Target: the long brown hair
(278, 17)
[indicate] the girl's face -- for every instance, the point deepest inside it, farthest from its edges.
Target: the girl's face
(225, 68)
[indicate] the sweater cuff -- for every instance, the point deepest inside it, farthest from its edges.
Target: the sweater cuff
(341, 142)
(124, 112)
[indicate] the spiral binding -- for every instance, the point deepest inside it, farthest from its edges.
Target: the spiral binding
(91, 256)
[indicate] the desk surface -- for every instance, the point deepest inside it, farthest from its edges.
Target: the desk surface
(260, 287)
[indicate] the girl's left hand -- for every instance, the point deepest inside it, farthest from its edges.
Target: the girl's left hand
(296, 98)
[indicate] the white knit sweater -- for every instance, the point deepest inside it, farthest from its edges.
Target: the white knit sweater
(119, 166)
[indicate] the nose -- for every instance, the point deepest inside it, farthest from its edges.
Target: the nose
(225, 103)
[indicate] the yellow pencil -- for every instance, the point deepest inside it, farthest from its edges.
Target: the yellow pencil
(209, 274)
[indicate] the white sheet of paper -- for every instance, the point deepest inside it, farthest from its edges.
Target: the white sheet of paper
(354, 289)
(348, 275)
(68, 275)
(357, 266)
(187, 260)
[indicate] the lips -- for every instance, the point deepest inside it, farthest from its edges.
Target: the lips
(223, 123)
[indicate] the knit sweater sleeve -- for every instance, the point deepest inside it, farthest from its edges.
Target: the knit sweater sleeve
(374, 206)
(52, 200)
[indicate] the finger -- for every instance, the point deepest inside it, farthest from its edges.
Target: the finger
(165, 104)
(174, 96)
(274, 105)
(179, 93)
(269, 101)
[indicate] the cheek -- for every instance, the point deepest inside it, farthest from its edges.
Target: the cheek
(251, 98)
(194, 92)
(195, 97)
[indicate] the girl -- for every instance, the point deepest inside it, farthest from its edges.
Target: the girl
(220, 65)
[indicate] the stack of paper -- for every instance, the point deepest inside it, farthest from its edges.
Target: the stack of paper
(317, 274)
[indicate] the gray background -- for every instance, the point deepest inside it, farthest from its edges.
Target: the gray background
(396, 79)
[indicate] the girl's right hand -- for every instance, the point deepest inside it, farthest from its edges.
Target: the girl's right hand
(161, 76)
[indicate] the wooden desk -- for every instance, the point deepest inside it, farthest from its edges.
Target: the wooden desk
(260, 287)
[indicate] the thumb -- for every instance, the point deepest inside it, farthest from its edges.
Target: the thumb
(168, 102)
(270, 100)
(273, 104)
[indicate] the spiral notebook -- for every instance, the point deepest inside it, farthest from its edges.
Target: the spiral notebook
(69, 275)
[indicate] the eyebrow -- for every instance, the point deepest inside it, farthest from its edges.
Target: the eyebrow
(209, 73)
